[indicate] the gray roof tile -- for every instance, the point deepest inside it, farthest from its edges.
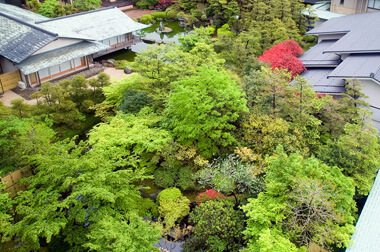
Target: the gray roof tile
(367, 234)
(315, 56)
(363, 33)
(317, 77)
(52, 58)
(358, 66)
(21, 14)
(97, 25)
(19, 40)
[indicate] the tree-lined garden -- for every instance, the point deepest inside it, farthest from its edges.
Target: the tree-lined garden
(215, 142)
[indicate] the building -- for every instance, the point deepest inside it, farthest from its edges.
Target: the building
(354, 6)
(367, 232)
(348, 48)
(39, 49)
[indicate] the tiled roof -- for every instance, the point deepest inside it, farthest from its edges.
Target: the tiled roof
(21, 14)
(363, 33)
(52, 58)
(97, 25)
(367, 234)
(19, 40)
(315, 56)
(358, 66)
(317, 77)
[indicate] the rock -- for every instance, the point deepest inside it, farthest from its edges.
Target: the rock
(127, 70)
(182, 24)
(148, 41)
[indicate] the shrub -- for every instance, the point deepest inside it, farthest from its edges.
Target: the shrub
(121, 64)
(172, 206)
(146, 19)
(164, 178)
(133, 101)
(158, 15)
(218, 225)
(147, 206)
(186, 180)
(210, 194)
(172, 14)
(181, 177)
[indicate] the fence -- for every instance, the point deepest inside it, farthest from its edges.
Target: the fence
(12, 180)
(9, 80)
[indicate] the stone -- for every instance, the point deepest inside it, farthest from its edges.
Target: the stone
(127, 70)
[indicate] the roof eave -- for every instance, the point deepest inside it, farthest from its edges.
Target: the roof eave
(326, 33)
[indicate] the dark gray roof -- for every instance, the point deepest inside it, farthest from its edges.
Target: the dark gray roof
(315, 57)
(367, 234)
(358, 66)
(52, 58)
(21, 14)
(363, 33)
(317, 77)
(96, 25)
(19, 40)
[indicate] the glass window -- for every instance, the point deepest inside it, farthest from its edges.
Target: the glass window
(44, 73)
(374, 4)
(377, 4)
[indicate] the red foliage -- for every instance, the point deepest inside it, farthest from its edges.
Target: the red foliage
(163, 4)
(210, 194)
(284, 56)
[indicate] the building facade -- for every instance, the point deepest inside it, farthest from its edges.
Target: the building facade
(44, 49)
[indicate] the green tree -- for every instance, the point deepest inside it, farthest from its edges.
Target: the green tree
(131, 140)
(305, 201)
(356, 153)
(87, 4)
(218, 226)
(202, 109)
(20, 138)
(77, 193)
(6, 217)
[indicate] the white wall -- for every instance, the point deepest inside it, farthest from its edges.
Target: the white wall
(60, 42)
(7, 65)
(372, 90)
(330, 36)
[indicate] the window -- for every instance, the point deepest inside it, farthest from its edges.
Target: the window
(374, 4)
(341, 1)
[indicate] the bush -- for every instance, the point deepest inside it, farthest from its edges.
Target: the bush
(172, 14)
(173, 206)
(218, 225)
(121, 64)
(146, 19)
(186, 180)
(147, 207)
(181, 177)
(210, 194)
(164, 178)
(133, 101)
(158, 15)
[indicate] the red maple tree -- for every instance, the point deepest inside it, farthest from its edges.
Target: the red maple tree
(284, 56)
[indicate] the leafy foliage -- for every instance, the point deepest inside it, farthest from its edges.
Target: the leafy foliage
(305, 200)
(79, 193)
(218, 226)
(284, 56)
(202, 108)
(230, 175)
(172, 206)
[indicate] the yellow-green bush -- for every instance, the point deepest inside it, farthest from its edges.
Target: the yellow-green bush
(156, 15)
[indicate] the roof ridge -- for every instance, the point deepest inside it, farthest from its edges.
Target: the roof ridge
(74, 15)
(28, 24)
